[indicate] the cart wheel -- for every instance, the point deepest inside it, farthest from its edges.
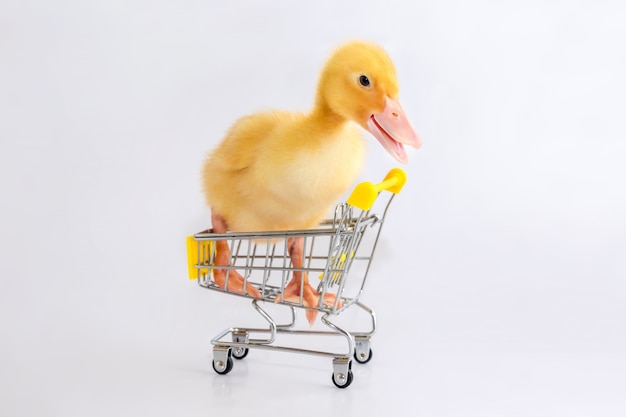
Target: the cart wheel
(223, 368)
(343, 380)
(362, 357)
(240, 352)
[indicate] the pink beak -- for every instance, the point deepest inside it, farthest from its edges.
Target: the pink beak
(392, 129)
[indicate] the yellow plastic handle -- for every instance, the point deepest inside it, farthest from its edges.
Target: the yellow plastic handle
(365, 193)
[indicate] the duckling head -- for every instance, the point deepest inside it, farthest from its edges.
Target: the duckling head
(359, 83)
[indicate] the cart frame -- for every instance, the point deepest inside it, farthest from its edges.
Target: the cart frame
(264, 260)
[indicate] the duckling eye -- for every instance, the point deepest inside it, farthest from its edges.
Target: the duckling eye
(364, 81)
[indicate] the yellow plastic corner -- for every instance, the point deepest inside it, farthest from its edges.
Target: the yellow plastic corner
(337, 265)
(192, 256)
(395, 178)
(365, 193)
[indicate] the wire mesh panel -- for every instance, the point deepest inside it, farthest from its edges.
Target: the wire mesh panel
(264, 261)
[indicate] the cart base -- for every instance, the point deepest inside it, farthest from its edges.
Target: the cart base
(358, 344)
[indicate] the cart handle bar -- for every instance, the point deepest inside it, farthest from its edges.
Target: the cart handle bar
(365, 193)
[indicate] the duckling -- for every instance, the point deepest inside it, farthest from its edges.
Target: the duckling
(278, 170)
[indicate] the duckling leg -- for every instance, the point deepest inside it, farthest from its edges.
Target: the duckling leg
(299, 285)
(222, 257)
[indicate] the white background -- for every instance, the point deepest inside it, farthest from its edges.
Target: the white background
(500, 284)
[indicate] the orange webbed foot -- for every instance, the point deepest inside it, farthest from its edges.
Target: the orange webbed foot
(310, 298)
(329, 300)
(236, 284)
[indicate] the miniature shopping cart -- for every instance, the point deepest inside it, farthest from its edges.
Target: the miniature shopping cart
(337, 256)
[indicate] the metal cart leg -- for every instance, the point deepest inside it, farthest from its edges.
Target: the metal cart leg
(342, 372)
(240, 336)
(222, 361)
(362, 340)
(342, 365)
(362, 349)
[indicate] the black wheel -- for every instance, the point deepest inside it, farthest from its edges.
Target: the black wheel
(362, 358)
(343, 383)
(227, 369)
(240, 352)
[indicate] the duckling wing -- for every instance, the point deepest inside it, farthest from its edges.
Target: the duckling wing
(239, 147)
(276, 171)
(234, 178)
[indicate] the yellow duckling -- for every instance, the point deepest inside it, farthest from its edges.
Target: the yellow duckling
(279, 170)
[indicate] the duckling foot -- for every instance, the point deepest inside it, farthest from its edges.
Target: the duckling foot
(310, 298)
(229, 280)
(235, 283)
